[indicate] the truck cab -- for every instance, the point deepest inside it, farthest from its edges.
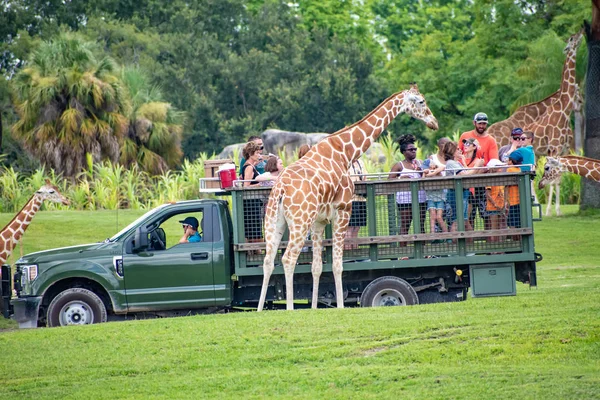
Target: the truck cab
(143, 268)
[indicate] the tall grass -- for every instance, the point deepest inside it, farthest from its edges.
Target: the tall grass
(110, 186)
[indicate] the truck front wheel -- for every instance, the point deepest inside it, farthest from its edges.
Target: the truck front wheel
(76, 306)
(388, 291)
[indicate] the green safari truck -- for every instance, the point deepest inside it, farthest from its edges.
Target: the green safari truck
(142, 271)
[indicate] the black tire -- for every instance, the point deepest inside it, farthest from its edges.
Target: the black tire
(76, 306)
(388, 291)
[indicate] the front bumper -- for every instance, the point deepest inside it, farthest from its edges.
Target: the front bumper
(26, 311)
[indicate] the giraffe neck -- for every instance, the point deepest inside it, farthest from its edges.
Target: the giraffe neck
(354, 140)
(568, 75)
(583, 166)
(12, 233)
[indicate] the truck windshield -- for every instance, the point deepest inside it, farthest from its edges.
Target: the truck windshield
(135, 223)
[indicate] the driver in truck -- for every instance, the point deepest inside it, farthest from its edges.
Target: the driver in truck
(190, 229)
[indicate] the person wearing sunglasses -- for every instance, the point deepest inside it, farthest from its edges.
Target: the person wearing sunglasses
(488, 149)
(516, 136)
(409, 168)
(526, 151)
(190, 230)
(260, 166)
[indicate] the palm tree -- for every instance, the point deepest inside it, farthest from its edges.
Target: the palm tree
(153, 139)
(69, 104)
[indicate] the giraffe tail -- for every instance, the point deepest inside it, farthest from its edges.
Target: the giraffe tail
(273, 208)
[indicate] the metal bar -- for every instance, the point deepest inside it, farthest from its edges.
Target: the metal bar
(404, 238)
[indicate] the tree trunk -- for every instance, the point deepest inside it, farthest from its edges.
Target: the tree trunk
(590, 190)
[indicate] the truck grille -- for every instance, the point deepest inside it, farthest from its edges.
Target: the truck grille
(17, 280)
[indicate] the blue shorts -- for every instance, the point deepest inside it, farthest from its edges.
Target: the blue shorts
(438, 205)
(451, 199)
(514, 216)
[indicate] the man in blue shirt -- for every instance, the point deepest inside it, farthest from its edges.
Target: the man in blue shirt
(190, 229)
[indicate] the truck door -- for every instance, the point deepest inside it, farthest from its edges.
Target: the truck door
(169, 274)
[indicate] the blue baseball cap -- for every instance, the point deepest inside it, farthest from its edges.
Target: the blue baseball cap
(516, 132)
(516, 157)
(191, 221)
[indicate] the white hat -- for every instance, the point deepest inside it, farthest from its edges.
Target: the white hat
(494, 162)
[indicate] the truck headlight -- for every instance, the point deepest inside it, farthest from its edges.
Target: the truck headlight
(28, 275)
(30, 272)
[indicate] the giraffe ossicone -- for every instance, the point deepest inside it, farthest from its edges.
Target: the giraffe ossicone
(317, 190)
(14, 230)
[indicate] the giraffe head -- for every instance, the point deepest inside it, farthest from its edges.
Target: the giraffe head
(50, 192)
(573, 42)
(552, 172)
(413, 104)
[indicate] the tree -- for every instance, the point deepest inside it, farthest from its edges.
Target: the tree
(153, 139)
(69, 104)
(590, 191)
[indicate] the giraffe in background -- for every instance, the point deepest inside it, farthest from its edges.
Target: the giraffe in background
(529, 113)
(13, 232)
(317, 190)
(554, 168)
(552, 130)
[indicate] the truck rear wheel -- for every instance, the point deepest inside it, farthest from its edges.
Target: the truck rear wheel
(388, 291)
(76, 306)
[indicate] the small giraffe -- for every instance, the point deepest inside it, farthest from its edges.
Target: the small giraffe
(317, 190)
(552, 130)
(529, 113)
(583, 166)
(12, 233)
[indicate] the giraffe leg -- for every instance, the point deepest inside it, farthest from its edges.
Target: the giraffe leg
(273, 238)
(317, 261)
(339, 232)
(297, 237)
(549, 200)
(557, 201)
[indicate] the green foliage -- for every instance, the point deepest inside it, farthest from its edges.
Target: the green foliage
(69, 103)
(153, 140)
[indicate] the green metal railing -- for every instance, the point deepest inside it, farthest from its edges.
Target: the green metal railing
(400, 233)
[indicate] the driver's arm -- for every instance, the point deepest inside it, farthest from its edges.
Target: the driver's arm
(186, 235)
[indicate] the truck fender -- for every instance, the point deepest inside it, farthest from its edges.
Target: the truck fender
(106, 278)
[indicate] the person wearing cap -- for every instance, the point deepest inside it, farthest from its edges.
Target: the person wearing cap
(190, 230)
(527, 152)
(516, 136)
(488, 149)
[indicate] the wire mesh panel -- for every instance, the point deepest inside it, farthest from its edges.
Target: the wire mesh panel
(409, 219)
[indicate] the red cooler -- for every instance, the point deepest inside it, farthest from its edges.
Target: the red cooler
(227, 175)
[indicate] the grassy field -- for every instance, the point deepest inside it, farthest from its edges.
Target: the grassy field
(543, 343)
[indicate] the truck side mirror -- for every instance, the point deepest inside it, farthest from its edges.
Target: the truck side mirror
(140, 241)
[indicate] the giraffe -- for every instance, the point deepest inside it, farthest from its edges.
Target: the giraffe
(317, 190)
(14, 230)
(529, 113)
(552, 130)
(583, 166)
(555, 186)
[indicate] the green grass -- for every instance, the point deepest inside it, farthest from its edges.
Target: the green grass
(542, 343)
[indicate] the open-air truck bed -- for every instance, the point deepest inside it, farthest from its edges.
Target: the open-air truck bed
(438, 266)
